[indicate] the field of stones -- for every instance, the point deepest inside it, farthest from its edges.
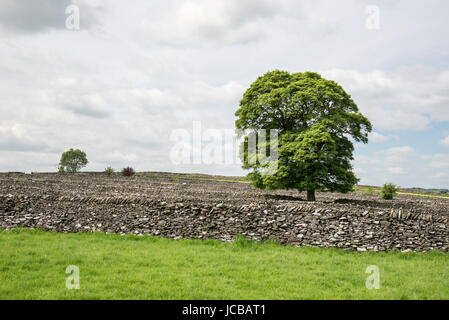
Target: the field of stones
(197, 206)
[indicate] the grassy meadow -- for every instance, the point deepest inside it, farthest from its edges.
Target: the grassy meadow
(33, 266)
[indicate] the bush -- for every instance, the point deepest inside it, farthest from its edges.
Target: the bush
(256, 179)
(109, 171)
(128, 172)
(388, 191)
(73, 160)
(61, 169)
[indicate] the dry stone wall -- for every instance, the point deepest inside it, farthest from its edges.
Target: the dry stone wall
(306, 223)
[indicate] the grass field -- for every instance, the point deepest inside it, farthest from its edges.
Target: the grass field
(33, 264)
(376, 190)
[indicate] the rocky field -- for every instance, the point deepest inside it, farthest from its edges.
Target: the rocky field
(215, 207)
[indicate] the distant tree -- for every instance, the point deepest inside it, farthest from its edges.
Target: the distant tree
(315, 119)
(72, 161)
(109, 171)
(388, 191)
(128, 172)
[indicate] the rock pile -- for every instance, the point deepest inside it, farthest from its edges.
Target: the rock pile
(317, 224)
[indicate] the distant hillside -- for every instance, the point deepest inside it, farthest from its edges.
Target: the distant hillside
(430, 190)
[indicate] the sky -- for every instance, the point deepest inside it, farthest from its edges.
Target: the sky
(131, 75)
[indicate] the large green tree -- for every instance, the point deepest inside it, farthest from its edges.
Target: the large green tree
(72, 160)
(317, 122)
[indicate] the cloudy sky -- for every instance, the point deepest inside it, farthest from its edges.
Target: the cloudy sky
(136, 71)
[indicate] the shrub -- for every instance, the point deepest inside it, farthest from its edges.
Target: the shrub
(256, 179)
(388, 191)
(61, 169)
(128, 172)
(109, 171)
(73, 160)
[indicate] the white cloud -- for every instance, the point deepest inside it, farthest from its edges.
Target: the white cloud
(445, 141)
(359, 171)
(399, 154)
(439, 164)
(29, 16)
(403, 166)
(365, 160)
(396, 170)
(19, 137)
(441, 176)
(377, 137)
(438, 161)
(219, 22)
(117, 91)
(408, 98)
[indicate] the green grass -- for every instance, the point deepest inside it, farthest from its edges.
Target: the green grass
(33, 264)
(210, 179)
(359, 189)
(426, 195)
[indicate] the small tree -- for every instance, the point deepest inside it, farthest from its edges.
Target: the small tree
(72, 161)
(128, 172)
(388, 191)
(109, 171)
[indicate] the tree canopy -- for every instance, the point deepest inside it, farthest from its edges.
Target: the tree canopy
(72, 161)
(316, 120)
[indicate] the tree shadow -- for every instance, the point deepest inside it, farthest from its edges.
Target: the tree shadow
(283, 197)
(368, 203)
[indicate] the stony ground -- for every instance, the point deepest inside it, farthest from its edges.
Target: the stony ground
(204, 206)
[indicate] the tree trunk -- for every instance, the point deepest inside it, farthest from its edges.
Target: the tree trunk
(310, 195)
